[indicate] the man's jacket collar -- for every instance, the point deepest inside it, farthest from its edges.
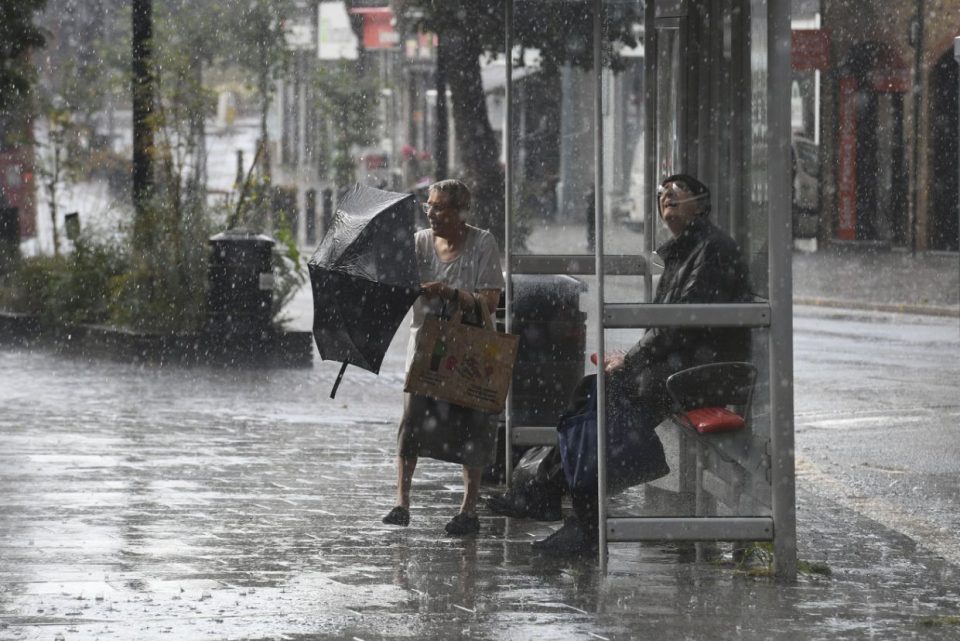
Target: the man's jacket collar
(687, 239)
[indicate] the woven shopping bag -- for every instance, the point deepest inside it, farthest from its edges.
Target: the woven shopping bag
(463, 364)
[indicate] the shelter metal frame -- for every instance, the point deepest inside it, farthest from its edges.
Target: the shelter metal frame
(776, 315)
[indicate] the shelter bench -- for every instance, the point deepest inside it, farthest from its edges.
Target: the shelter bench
(720, 459)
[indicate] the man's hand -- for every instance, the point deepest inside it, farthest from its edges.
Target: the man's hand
(611, 361)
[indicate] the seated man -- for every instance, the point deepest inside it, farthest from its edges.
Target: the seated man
(702, 264)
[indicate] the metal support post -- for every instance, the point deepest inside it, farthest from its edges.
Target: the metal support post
(781, 305)
(598, 214)
(508, 209)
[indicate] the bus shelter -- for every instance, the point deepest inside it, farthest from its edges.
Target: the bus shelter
(705, 91)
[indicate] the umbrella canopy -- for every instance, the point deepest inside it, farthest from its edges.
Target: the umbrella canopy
(364, 277)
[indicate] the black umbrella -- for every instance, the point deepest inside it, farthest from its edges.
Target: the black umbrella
(365, 278)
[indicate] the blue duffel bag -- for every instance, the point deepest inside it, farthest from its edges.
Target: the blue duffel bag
(634, 453)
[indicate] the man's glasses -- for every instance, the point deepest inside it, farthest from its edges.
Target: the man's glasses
(678, 192)
(673, 190)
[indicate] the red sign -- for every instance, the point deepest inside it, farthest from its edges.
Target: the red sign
(378, 31)
(847, 161)
(809, 49)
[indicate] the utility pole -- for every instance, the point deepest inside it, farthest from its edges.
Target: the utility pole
(142, 90)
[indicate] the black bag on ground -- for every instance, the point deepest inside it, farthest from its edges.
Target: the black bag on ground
(536, 487)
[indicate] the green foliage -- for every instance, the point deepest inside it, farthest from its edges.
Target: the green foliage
(155, 279)
(165, 287)
(259, 46)
(348, 98)
(757, 560)
(562, 32)
(68, 289)
(813, 567)
(289, 275)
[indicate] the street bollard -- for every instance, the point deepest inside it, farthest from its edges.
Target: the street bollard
(311, 217)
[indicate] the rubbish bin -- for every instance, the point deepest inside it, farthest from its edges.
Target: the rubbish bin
(550, 358)
(240, 283)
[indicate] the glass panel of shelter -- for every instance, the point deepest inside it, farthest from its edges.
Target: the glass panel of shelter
(551, 173)
(694, 125)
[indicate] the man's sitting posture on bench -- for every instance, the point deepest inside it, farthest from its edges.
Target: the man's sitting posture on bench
(702, 264)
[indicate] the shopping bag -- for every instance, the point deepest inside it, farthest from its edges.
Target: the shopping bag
(462, 364)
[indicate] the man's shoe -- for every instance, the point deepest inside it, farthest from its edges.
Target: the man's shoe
(398, 516)
(571, 540)
(462, 525)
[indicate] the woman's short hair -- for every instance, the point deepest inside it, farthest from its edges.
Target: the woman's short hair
(458, 194)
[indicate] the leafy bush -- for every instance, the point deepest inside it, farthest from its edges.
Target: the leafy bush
(164, 288)
(75, 288)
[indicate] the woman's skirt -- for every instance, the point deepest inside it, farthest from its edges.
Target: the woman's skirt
(439, 430)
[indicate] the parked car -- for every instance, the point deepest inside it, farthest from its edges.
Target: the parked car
(805, 156)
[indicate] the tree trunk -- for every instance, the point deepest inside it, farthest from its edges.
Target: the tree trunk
(198, 131)
(52, 192)
(142, 115)
(441, 155)
(476, 140)
(264, 110)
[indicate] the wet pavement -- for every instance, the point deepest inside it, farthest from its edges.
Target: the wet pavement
(158, 503)
(146, 502)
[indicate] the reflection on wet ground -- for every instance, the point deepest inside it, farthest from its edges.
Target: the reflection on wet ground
(170, 503)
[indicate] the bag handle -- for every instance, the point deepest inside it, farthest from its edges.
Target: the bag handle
(480, 305)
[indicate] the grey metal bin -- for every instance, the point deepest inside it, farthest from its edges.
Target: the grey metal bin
(240, 279)
(550, 360)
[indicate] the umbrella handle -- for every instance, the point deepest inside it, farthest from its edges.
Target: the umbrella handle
(336, 383)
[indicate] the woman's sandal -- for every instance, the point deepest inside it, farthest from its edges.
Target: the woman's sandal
(398, 516)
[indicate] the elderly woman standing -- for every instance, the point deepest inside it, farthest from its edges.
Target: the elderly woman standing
(459, 264)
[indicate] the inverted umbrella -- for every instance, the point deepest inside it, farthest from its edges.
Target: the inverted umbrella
(364, 277)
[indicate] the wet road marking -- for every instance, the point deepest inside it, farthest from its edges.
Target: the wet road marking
(839, 420)
(923, 532)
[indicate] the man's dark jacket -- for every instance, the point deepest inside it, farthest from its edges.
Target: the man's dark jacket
(701, 265)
